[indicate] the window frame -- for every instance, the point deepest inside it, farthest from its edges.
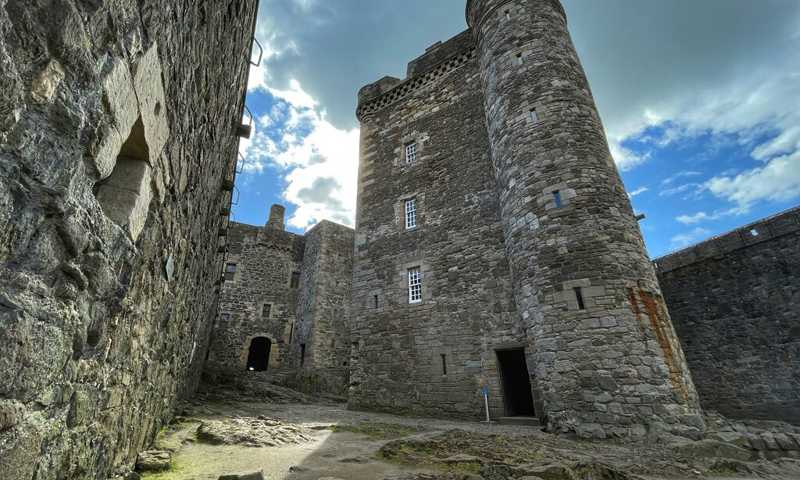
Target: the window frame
(230, 273)
(410, 213)
(294, 280)
(268, 307)
(411, 152)
(414, 276)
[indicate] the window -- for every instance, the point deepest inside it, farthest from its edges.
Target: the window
(518, 59)
(557, 198)
(295, 282)
(375, 298)
(411, 152)
(754, 232)
(579, 298)
(411, 213)
(533, 115)
(230, 272)
(414, 285)
(444, 364)
(266, 310)
(508, 14)
(302, 354)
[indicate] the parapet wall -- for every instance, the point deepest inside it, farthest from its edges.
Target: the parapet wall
(735, 304)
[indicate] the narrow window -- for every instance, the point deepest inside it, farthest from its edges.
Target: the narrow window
(533, 115)
(518, 59)
(444, 364)
(508, 14)
(557, 198)
(230, 272)
(375, 298)
(411, 213)
(302, 354)
(579, 298)
(754, 232)
(295, 280)
(266, 311)
(414, 285)
(411, 152)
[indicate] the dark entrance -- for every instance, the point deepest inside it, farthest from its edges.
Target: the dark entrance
(516, 383)
(258, 359)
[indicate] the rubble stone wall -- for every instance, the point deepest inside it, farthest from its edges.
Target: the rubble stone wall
(306, 319)
(258, 299)
(735, 303)
(431, 357)
(323, 319)
(117, 130)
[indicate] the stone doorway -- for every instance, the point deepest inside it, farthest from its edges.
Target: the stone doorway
(258, 358)
(516, 383)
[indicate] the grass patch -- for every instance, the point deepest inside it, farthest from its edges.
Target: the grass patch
(378, 431)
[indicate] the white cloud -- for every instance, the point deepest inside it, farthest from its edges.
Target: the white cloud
(778, 180)
(638, 192)
(318, 162)
(685, 239)
(685, 173)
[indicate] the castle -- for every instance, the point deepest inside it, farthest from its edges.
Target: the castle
(496, 246)
(496, 257)
(284, 305)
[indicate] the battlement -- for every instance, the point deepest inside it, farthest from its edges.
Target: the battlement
(758, 232)
(438, 60)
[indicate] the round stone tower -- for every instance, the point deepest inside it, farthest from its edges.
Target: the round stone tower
(602, 351)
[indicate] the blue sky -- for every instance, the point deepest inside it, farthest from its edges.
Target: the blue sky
(700, 100)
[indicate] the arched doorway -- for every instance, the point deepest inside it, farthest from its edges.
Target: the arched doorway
(258, 358)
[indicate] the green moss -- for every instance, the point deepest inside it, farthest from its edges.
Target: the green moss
(379, 430)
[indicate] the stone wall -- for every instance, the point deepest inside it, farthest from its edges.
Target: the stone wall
(323, 318)
(735, 303)
(306, 319)
(117, 129)
(467, 310)
(258, 299)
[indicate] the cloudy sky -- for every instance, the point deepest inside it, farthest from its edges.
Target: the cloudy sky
(700, 99)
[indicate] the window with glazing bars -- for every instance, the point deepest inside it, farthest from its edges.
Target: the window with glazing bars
(414, 285)
(411, 152)
(230, 272)
(411, 213)
(267, 310)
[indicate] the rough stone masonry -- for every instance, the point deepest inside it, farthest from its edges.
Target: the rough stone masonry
(735, 301)
(118, 138)
(496, 246)
(284, 307)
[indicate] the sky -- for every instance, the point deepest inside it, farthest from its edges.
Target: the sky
(700, 101)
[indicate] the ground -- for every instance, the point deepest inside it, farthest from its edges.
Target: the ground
(307, 439)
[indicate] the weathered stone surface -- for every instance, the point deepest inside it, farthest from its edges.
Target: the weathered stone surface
(153, 461)
(97, 345)
(251, 432)
(293, 290)
(737, 313)
(524, 238)
(259, 475)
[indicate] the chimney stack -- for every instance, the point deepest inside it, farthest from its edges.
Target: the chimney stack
(276, 214)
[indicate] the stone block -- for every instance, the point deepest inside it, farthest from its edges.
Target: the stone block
(152, 104)
(153, 461)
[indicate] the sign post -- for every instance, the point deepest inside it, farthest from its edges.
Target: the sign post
(486, 402)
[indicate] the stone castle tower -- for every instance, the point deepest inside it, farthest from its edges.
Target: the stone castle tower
(533, 274)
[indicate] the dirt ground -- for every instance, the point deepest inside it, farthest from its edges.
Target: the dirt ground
(301, 441)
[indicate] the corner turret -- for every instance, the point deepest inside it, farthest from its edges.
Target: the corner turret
(276, 217)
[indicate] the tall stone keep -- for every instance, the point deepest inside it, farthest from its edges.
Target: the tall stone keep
(601, 344)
